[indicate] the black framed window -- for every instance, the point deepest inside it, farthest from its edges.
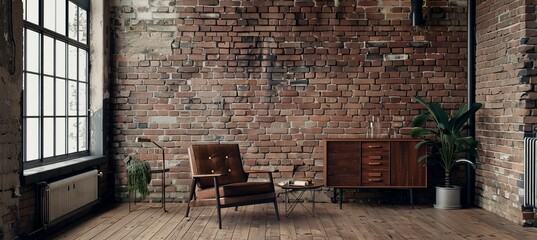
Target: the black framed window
(56, 80)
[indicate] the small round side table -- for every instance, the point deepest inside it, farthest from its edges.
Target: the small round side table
(289, 188)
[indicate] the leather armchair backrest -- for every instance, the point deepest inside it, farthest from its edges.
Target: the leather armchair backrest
(217, 158)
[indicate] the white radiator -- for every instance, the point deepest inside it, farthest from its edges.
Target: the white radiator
(530, 171)
(69, 194)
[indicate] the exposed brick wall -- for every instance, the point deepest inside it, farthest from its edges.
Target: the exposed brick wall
(10, 130)
(276, 77)
(506, 85)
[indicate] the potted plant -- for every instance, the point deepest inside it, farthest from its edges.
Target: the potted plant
(138, 175)
(450, 143)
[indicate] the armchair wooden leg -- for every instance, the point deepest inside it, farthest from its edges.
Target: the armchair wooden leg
(219, 216)
(236, 208)
(275, 199)
(191, 195)
(217, 189)
(276, 209)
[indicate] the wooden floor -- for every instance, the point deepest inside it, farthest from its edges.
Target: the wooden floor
(259, 222)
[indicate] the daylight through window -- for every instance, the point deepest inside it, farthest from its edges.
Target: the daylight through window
(55, 88)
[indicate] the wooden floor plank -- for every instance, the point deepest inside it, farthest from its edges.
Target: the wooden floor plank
(273, 224)
(480, 218)
(366, 223)
(300, 219)
(117, 225)
(114, 211)
(242, 229)
(140, 220)
(211, 229)
(258, 223)
(207, 217)
(181, 224)
(154, 223)
(287, 227)
(327, 222)
(109, 223)
(230, 219)
(354, 221)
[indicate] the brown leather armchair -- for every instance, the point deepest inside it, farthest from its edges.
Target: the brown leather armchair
(218, 174)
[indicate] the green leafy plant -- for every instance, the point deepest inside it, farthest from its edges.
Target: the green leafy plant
(138, 175)
(451, 140)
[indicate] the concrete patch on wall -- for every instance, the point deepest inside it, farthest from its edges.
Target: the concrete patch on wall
(162, 119)
(394, 57)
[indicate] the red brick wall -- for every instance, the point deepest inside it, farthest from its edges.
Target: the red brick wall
(506, 86)
(276, 77)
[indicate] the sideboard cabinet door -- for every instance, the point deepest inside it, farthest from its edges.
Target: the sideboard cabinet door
(406, 171)
(342, 165)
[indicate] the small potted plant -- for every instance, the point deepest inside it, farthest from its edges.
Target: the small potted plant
(449, 144)
(138, 175)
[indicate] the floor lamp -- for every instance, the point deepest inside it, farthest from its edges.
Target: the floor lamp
(162, 170)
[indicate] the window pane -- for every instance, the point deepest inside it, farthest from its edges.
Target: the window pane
(31, 12)
(60, 136)
(54, 15)
(72, 96)
(82, 134)
(60, 17)
(32, 139)
(82, 26)
(48, 55)
(73, 21)
(32, 94)
(60, 97)
(49, 15)
(60, 59)
(82, 65)
(48, 96)
(32, 51)
(72, 135)
(48, 137)
(82, 99)
(73, 62)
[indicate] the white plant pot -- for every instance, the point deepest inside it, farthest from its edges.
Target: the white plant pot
(448, 197)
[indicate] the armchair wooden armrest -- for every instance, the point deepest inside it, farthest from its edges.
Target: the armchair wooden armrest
(208, 175)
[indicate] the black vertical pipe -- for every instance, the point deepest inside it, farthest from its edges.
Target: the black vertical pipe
(417, 12)
(470, 173)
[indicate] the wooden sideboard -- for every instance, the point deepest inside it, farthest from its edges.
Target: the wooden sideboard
(373, 163)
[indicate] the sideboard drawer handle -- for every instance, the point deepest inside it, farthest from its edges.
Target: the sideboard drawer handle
(375, 146)
(374, 163)
(375, 179)
(375, 157)
(375, 174)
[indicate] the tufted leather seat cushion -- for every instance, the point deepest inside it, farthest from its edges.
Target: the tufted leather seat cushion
(237, 190)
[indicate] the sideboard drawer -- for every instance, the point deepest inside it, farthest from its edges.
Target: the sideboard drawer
(375, 151)
(378, 177)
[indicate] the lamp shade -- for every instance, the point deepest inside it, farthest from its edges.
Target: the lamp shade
(140, 139)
